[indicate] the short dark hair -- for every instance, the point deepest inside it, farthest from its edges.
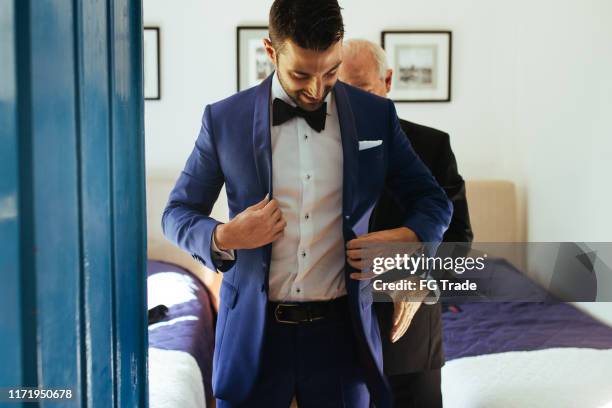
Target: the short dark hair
(311, 24)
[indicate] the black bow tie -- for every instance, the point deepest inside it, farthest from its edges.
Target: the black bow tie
(282, 112)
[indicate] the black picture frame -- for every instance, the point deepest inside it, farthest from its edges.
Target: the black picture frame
(152, 87)
(441, 94)
(250, 72)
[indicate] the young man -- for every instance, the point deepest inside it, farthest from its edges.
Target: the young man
(304, 159)
(412, 363)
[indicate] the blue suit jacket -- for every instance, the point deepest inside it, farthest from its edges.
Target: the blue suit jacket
(233, 147)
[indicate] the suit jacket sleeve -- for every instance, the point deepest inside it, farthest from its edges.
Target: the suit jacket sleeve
(447, 174)
(428, 211)
(186, 220)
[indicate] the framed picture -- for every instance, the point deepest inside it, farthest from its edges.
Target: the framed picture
(151, 63)
(421, 63)
(252, 63)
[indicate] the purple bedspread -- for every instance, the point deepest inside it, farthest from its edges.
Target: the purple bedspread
(195, 337)
(487, 328)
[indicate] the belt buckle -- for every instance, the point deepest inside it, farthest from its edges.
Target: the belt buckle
(279, 320)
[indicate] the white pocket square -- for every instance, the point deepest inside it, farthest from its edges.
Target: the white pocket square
(368, 144)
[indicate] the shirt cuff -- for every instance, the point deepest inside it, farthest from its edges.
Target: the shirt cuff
(219, 254)
(433, 297)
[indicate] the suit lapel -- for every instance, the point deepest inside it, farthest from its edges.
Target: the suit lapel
(262, 150)
(262, 153)
(350, 149)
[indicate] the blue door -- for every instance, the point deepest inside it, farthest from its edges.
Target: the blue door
(72, 204)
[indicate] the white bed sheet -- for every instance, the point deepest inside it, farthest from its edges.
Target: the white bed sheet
(175, 380)
(552, 378)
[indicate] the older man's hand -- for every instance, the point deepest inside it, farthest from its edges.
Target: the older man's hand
(404, 311)
(361, 251)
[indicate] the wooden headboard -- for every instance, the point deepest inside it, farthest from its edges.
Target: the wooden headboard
(493, 211)
(159, 248)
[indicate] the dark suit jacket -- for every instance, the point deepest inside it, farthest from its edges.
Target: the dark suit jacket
(421, 347)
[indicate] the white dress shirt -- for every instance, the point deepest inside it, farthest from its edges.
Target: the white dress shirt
(308, 261)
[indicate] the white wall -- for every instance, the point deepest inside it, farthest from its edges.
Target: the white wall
(531, 85)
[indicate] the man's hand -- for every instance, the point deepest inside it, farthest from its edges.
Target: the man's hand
(255, 227)
(362, 250)
(404, 311)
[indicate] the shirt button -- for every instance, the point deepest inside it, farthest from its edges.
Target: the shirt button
(298, 290)
(305, 137)
(308, 177)
(303, 254)
(307, 216)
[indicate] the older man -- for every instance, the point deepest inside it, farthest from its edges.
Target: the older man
(413, 362)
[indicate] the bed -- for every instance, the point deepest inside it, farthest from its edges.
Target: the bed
(526, 354)
(181, 343)
(522, 354)
(181, 340)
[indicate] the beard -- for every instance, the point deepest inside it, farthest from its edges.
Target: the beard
(295, 95)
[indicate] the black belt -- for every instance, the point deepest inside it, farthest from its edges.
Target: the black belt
(307, 312)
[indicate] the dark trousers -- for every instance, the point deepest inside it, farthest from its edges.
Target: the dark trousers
(316, 362)
(417, 390)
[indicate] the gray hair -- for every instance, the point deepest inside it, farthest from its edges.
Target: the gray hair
(352, 48)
